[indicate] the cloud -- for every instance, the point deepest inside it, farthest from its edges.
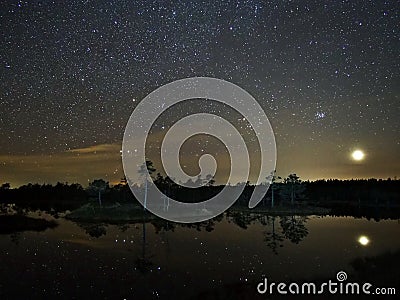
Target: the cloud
(97, 149)
(76, 165)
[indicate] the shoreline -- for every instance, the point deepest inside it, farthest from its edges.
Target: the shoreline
(135, 213)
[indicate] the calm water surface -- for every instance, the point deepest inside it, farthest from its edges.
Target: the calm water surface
(162, 260)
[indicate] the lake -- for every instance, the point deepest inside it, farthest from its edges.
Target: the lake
(226, 257)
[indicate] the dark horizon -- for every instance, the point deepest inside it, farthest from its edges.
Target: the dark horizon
(395, 178)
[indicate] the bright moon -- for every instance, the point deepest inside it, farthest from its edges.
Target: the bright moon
(358, 155)
(363, 240)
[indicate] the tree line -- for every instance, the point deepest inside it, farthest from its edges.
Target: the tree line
(286, 191)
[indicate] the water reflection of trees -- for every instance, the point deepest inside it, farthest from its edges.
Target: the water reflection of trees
(243, 220)
(273, 238)
(292, 228)
(143, 263)
(276, 229)
(163, 226)
(94, 230)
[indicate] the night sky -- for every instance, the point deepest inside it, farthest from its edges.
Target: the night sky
(325, 72)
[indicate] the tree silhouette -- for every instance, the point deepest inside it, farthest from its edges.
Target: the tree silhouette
(292, 189)
(98, 186)
(210, 179)
(5, 186)
(145, 170)
(272, 178)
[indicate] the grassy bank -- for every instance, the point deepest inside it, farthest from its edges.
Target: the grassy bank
(113, 213)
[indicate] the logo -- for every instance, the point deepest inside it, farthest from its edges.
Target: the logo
(165, 97)
(329, 287)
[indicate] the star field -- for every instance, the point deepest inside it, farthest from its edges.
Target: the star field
(325, 72)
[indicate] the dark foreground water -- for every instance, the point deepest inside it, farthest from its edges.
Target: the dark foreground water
(222, 259)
